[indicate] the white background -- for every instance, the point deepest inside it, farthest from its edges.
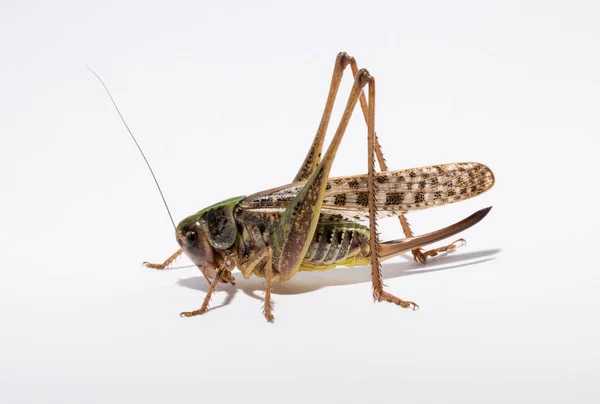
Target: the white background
(225, 99)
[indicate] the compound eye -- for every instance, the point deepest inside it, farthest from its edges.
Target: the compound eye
(190, 238)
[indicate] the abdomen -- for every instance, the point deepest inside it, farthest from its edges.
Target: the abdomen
(337, 243)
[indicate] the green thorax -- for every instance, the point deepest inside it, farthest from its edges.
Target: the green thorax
(228, 204)
(216, 222)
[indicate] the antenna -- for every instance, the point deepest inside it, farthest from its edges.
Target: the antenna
(137, 144)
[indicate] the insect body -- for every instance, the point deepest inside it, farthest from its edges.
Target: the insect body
(232, 231)
(340, 238)
(318, 223)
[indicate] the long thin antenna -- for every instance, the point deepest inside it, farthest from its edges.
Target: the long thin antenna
(137, 144)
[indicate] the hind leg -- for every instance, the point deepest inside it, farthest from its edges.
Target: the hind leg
(314, 153)
(418, 254)
(379, 294)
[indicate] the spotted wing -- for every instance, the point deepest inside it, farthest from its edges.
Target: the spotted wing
(396, 191)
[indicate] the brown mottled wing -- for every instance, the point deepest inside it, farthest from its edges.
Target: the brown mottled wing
(397, 191)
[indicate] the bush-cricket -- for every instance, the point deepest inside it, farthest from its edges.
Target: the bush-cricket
(316, 222)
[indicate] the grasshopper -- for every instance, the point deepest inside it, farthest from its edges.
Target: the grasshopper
(317, 223)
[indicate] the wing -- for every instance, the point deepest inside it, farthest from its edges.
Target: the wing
(396, 191)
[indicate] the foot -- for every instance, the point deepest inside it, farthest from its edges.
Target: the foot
(270, 318)
(154, 266)
(421, 256)
(388, 297)
(193, 313)
(165, 264)
(268, 311)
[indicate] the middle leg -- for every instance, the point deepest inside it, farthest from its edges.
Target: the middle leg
(250, 264)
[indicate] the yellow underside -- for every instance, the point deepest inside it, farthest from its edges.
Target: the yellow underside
(352, 262)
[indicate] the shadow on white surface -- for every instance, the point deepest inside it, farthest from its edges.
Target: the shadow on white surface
(305, 282)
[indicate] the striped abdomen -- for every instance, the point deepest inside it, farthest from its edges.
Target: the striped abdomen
(336, 243)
